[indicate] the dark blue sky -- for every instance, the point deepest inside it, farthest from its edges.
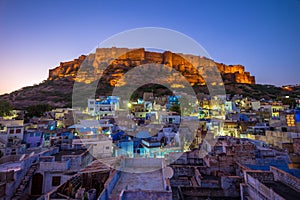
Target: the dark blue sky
(262, 35)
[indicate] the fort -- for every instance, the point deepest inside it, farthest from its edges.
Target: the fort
(122, 59)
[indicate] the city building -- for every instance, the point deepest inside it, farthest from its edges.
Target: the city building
(273, 184)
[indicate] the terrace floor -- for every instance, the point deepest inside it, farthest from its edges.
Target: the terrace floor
(139, 181)
(283, 190)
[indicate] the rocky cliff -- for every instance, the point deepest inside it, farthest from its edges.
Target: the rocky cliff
(66, 69)
(121, 60)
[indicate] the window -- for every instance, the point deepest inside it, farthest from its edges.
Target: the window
(107, 147)
(31, 134)
(11, 131)
(18, 130)
(37, 134)
(55, 180)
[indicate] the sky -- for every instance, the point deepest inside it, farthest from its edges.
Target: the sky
(262, 35)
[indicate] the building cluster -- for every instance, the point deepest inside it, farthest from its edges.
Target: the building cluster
(154, 148)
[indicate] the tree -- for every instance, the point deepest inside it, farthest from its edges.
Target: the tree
(37, 110)
(175, 108)
(5, 108)
(289, 101)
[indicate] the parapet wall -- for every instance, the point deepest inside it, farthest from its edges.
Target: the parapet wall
(144, 194)
(143, 163)
(286, 178)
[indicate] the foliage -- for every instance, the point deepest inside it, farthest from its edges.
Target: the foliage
(5, 108)
(289, 101)
(37, 110)
(175, 108)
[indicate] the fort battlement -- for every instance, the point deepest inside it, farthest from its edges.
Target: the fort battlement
(122, 59)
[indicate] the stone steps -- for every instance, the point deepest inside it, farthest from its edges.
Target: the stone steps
(23, 184)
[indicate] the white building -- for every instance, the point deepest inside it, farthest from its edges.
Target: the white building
(102, 147)
(255, 105)
(230, 107)
(103, 107)
(171, 119)
(11, 131)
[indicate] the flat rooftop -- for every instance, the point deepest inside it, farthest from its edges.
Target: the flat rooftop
(72, 152)
(140, 174)
(192, 193)
(212, 178)
(140, 181)
(283, 190)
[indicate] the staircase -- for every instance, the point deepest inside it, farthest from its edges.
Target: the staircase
(70, 187)
(76, 183)
(19, 194)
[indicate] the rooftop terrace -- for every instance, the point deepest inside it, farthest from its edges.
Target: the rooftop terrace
(141, 181)
(283, 190)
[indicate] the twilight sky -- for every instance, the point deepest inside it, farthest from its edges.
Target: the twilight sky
(262, 35)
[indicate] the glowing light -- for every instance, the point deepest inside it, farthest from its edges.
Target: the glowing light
(177, 86)
(287, 88)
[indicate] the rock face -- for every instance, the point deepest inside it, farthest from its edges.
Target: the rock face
(66, 69)
(57, 89)
(122, 59)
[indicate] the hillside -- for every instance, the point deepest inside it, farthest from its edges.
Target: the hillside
(57, 89)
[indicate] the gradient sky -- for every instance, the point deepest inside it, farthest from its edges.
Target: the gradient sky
(262, 35)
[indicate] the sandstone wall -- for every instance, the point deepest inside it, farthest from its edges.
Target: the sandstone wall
(66, 69)
(122, 59)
